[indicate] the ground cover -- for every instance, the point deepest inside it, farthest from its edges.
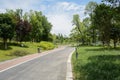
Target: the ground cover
(96, 63)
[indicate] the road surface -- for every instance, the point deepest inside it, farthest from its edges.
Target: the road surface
(49, 67)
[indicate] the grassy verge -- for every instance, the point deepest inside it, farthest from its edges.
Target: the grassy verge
(14, 50)
(96, 63)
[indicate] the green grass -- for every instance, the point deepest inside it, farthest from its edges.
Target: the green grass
(96, 63)
(14, 47)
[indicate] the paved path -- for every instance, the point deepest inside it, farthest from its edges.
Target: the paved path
(48, 67)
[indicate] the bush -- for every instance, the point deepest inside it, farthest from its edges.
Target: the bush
(46, 45)
(19, 53)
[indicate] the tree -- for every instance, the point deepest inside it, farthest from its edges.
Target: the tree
(90, 31)
(22, 29)
(12, 15)
(102, 20)
(114, 3)
(107, 13)
(115, 34)
(89, 9)
(75, 35)
(6, 28)
(46, 29)
(36, 23)
(40, 27)
(76, 22)
(80, 28)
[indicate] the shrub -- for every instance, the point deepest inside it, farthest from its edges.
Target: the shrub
(19, 53)
(46, 45)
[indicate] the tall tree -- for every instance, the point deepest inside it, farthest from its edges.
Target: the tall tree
(46, 29)
(102, 19)
(89, 9)
(80, 27)
(115, 30)
(40, 27)
(6, 28)
(22, 29)
(90, 35)
(36, 22)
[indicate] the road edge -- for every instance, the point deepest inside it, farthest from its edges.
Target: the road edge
(69, 74)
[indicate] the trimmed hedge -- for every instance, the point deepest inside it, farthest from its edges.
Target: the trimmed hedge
(46, 45)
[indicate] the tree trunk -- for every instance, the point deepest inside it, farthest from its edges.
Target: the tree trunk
(5, 43)
(103, 43)
(10, 40)
(83, 42)
(115, 43)
(93, 41)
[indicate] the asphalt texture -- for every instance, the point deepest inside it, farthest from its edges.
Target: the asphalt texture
(49, 67)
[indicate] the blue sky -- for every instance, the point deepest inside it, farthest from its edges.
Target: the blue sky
(58, 12)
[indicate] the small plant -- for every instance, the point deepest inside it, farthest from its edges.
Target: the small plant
(19, 53)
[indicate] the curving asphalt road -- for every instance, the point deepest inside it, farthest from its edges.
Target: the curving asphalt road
(49, 67)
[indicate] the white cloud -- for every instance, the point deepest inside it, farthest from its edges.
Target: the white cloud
(2, 10)
(70, 6)
(61, 23)
(17, 4)
(61, 15)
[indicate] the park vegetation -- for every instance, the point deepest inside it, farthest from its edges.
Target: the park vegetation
(19, 29)
(22, 33)
(96, 63)
(102, 25)
(97, 55)
(31, 26)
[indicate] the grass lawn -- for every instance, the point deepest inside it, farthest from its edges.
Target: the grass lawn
(96, 63)
(29, 47)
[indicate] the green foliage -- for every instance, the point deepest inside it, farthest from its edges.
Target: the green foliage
(40, 27)
(19, 53)
(46, 45)
(106, 15)
(6, 28)
(79, 29)
(96, 63)
(103, 24)
(90, 8)
(32, 26)
(36, 22)
(47, 28)
(22, 29)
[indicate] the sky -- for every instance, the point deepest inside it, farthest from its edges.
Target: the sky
(58, 12)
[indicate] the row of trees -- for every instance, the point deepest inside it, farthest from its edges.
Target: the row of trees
(32, 26)
(103, 23)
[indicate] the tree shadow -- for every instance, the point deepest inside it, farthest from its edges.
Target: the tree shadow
(2, 47)
(105, 67)
(11, 44)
